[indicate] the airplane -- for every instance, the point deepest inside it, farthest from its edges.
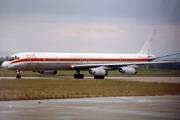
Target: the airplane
(95, 63)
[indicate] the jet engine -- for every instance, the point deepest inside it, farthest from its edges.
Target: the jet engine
(47, 72)
(97, 72)
(127, 70)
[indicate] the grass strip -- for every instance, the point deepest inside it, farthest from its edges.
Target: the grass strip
(28, 89)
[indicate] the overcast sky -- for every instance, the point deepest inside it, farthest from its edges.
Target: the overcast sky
(95, 26)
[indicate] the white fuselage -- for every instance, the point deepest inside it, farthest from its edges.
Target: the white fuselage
(64, 61)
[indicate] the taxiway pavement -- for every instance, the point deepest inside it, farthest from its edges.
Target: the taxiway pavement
(107, 108)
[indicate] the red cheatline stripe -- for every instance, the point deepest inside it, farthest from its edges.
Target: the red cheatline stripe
(73, 59)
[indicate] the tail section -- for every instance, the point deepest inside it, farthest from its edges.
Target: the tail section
(147, 48)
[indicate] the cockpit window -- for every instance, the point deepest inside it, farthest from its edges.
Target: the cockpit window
(13, 58)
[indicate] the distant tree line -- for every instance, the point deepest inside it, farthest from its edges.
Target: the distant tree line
(166, 66)
(170, 66)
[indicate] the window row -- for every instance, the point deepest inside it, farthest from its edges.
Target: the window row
(64, 59)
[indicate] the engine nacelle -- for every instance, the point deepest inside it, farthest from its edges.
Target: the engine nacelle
(97, 72)
(127, 70)
(47, 72)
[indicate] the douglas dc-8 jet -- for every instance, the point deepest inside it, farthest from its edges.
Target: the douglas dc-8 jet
(96, 64)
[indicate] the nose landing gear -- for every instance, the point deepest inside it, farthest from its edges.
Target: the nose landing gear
(18, 76)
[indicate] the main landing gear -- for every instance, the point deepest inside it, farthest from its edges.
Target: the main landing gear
(18, 76)
(78, 75)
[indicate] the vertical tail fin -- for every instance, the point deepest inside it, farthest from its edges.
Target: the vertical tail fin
(147, 48)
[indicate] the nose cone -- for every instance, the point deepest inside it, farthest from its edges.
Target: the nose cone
(5, 64)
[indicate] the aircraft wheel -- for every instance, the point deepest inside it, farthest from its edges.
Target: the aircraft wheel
(18, 76)
(78, 76)
(81, 76)
(98, 77)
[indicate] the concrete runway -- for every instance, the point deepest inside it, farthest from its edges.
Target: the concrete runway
(109, 108)
(143, 79)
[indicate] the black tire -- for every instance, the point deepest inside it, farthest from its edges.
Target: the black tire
(18, 76)
(98, 77)
(75, 75)
(78, 76)
(81, 76)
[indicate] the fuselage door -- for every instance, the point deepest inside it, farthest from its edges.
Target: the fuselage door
(120, 59)
(30, 57)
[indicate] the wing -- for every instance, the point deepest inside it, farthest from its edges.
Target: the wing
(113, 66)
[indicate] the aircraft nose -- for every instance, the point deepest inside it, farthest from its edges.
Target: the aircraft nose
(5, 64)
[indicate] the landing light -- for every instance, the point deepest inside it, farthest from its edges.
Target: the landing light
(17, 71)
(72, 66)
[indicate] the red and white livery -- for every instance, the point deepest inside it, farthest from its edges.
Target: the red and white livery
(96, 64)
